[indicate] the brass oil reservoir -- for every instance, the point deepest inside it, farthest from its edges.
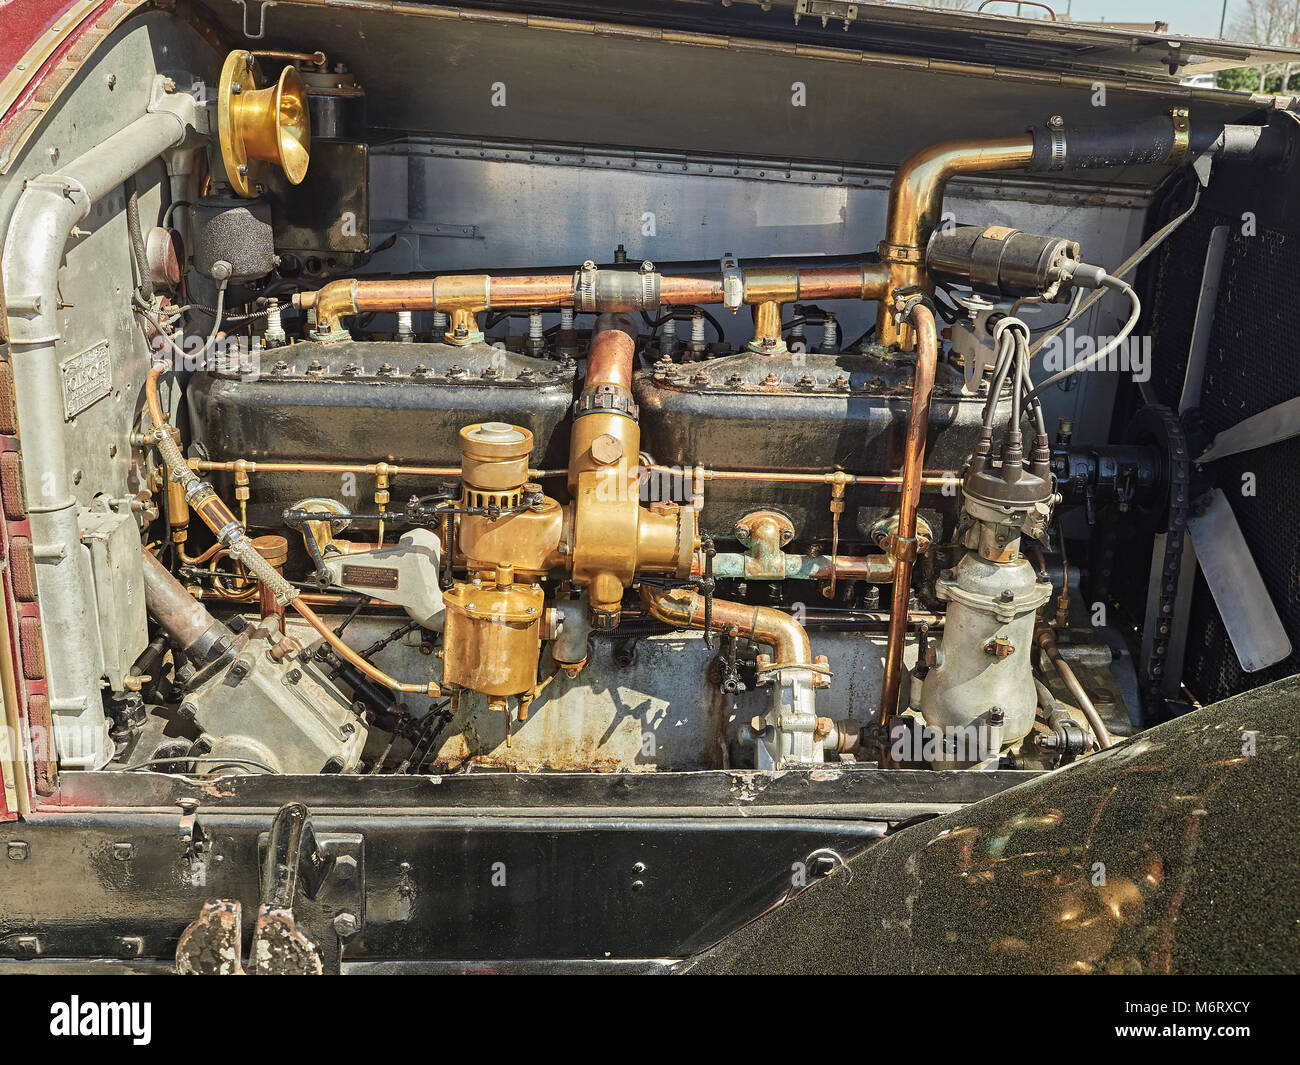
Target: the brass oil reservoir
(493, 636)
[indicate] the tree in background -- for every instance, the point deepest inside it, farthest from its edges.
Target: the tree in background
(1271, 22)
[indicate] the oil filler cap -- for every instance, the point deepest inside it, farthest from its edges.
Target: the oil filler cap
(497, 433)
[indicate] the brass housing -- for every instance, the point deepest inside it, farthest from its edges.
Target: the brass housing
(614, 536)
(494, 472)
(493, 636)
(260, 124)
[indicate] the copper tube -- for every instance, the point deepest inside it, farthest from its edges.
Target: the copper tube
(356, 661)
(537, 290)
(316, 58)
(151, 394)
(205, 465)
(916, 206)
(874, 569)
(1047, 642)
(200, 559)
(38, 731)
(870, 568)
(927, 358)
(689, 291)
(609, 362)
(683, 608)
(929, 479)
(480, 292)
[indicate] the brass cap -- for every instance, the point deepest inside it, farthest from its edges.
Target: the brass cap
(275, 549)
(494, 455)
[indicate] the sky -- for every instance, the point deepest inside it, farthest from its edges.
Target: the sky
(1199, 18)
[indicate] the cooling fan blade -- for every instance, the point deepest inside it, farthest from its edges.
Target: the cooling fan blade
(1248, 613)
(1259, 430)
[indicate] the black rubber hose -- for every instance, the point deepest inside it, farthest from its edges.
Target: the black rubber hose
(136, 235)
(1150, 142)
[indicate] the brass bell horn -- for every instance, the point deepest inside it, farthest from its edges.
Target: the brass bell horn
(261, 124)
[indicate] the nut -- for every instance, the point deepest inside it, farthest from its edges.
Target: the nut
(606, 449)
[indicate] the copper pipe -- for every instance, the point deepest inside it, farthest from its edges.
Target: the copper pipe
(683, 608)
(929, 479)
(916, 206)
(37, 731)
(204, 465)
(316, 58)
(473, 293)
(904, 541)
(874, 569)
(151, 394)
(1047, 643)
(609, 362)
(356, 661)
(689, 291)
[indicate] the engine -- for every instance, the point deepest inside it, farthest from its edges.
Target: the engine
(621, 515)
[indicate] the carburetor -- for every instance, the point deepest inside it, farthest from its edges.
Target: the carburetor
(510, 537)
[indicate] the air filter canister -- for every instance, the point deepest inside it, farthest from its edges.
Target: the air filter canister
(234, 231)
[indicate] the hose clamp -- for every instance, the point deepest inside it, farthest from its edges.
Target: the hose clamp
(1056, 146)
(903, 254)
(584, 288)
(1182, 136)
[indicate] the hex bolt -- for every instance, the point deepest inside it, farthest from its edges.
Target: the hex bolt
(17, 851)
(123, 852)
(345, 867)
(346, 924)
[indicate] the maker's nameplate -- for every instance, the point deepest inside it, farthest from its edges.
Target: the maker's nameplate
(369, 577)
(87, 378)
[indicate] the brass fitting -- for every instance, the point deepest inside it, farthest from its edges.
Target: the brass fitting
(767, 329)
(242, 491)
(331, 303)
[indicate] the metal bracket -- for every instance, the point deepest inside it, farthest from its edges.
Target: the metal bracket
(826, 10)
(733, 282)
(331, 870)
(261, 22)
